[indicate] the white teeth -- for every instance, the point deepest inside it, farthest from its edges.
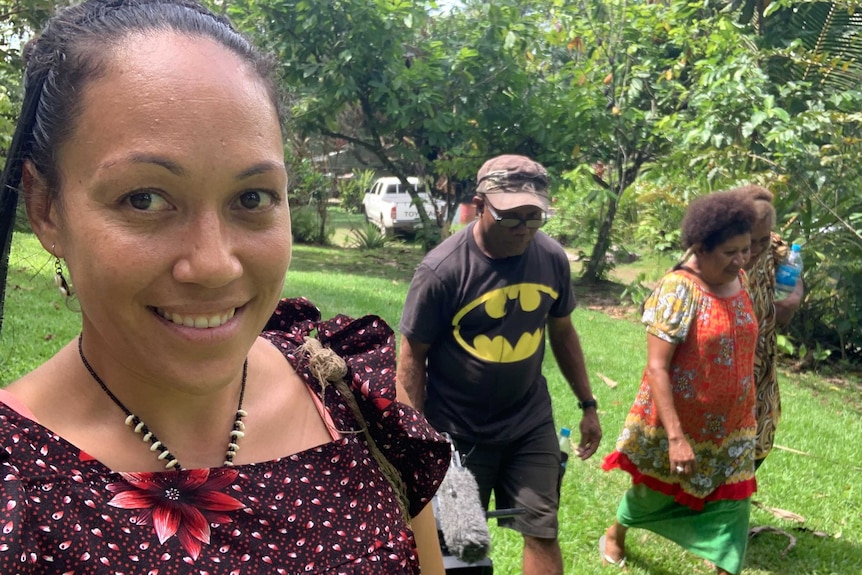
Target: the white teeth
(197, 321)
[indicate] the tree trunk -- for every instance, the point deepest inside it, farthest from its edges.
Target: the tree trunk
(597, 264)
(627, 173)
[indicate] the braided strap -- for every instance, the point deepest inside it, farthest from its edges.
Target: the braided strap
(329, 368)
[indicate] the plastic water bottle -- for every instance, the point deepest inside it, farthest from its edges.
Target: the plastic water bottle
(788, 272)
(565, 447)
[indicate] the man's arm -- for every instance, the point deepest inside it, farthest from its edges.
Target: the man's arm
(411, 375)
(570, 357)
(410, 389)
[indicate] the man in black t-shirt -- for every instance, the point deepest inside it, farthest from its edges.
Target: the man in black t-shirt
(472, 345)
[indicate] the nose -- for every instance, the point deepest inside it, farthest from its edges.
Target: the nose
(208, 255)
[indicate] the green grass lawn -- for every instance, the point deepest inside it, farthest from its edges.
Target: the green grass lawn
(816, 474)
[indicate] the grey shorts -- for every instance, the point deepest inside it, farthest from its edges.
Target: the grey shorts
(523, 474)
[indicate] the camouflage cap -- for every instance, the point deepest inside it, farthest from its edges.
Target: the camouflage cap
(513, 181)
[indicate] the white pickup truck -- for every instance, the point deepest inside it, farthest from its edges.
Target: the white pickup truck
(390, 207)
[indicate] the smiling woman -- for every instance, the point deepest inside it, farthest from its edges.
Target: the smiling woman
(688, 440)
(191, 409)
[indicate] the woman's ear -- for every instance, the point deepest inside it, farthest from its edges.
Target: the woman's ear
(41, 209)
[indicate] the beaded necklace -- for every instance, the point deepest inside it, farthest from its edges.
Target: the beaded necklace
(148, 436)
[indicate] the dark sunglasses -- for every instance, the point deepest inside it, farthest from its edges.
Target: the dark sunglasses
(511, 222)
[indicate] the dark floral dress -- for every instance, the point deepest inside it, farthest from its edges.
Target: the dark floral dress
(324, 510)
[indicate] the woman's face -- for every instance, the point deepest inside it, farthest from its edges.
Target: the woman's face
(722, 265)
(760, 240)
(172, 210)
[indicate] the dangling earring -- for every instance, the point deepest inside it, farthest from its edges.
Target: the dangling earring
(59, 279)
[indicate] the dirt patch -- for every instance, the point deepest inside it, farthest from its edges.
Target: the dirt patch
(604, 296)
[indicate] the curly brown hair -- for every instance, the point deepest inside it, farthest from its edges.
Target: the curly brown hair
(712, 219)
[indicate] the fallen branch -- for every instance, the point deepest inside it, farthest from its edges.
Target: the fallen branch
(780, 513)
(797, 452)
(791, 450)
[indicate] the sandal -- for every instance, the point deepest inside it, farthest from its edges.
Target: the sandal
(607, 559)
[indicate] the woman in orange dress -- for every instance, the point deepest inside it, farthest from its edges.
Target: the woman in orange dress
(688, 441)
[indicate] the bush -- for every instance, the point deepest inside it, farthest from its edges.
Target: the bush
(305, 224)
(369, 237)
(351, 192)
(831, 315)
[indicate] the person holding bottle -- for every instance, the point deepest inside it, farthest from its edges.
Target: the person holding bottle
(688, 440)
(767, 252)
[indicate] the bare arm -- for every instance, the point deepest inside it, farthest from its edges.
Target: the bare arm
(410, 389)
(427, 543)
(410, 375)
(570, 357)
(659, 354)
(785, 308)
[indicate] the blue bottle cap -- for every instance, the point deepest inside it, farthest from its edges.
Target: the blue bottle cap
(566, 432)
(796, 248)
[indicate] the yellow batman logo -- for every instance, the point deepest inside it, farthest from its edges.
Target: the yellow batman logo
(498, 348)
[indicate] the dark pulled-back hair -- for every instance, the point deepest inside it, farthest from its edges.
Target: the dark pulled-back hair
(714, 218)
(72, 51)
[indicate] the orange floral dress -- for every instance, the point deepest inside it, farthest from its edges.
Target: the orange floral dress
(713, 390)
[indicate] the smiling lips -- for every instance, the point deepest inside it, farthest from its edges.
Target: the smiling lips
(197, 321)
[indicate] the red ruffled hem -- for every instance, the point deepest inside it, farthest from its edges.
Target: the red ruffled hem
(733, 491)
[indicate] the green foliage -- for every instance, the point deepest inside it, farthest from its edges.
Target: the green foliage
(306, 226)
(18, 20)
(352, 191)
(659, 215)
(575, 220)
(369, 237)
(309, 199)
(637, 291)
(813, 41)
(427, 236)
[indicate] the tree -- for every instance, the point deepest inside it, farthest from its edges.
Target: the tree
(621, 67)
(358, 71)
(429, 95)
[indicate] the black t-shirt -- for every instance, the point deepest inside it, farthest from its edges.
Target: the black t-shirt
(484, 319)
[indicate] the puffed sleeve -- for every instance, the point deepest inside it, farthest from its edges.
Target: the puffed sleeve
(367, 345)
(669, 310)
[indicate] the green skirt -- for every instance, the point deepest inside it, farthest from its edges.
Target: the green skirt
(718, 533)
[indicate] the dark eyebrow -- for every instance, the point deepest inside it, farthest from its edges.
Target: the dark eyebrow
(260, 168)
(172, 167)
(177, 170)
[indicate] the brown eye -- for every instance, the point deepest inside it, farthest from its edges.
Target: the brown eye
(147, 201)
(256, 199)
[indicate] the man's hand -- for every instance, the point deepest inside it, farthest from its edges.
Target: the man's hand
(591, 434)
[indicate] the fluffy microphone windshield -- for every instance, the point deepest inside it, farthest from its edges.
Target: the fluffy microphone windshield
(461, 515)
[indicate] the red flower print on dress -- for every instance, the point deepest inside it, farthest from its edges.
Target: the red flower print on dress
(181, 503)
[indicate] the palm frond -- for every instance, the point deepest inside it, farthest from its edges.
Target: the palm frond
(820, 42)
